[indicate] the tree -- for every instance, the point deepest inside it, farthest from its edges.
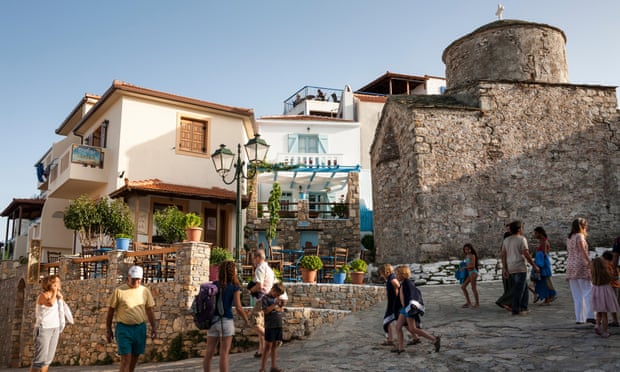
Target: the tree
(273, 205)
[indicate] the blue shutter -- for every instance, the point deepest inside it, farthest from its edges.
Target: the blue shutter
(323, 144)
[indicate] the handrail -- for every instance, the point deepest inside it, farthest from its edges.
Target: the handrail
(152, 252)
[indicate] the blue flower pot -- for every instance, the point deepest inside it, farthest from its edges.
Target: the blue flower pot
(339, 278)
(122, 244)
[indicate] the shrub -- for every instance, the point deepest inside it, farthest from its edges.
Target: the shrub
(192, 220)
(219, 255)
(170, 224)
(311, 262)
(359, 266)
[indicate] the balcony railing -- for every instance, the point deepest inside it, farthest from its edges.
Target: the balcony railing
(309, 159)
(310, 93)
(326, 211)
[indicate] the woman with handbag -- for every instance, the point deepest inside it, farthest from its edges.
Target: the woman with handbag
(471, 265)
(409, 315)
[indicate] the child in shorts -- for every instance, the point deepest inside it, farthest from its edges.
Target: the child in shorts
(272, 308)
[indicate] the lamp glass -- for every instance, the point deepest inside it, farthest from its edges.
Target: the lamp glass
(223, 160)
(256, 149)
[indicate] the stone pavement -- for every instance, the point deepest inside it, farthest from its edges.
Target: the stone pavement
(484, 339)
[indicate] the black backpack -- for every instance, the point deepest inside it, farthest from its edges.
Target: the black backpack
(207, 305)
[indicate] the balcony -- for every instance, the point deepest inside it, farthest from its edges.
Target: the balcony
(314, 101)
(309, 160)
(79, 170)
(323, 211)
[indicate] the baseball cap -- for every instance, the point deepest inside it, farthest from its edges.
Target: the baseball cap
(135, 272)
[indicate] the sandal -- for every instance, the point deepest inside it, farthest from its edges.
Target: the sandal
(387, 343)
(437, 343)
(274, 369)
(257, 355)
(415, 341)
(465, 306)
(398, 351)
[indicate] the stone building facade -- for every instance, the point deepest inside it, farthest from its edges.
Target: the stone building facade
(83, 343)
(510, 139)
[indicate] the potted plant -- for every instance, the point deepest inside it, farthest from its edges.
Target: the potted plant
(218, 255)
(170, 224)
(340, 274)
(119, 223)
(193, 229)
(359, 268)
(310, 265)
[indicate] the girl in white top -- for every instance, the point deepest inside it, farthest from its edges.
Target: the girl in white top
(47, 323)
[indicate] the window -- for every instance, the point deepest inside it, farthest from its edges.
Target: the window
(307, 143)
(98, 137)
(192, 136)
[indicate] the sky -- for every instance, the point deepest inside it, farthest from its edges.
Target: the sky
(250, 54)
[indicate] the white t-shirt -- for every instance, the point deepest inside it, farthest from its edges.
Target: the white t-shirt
(264, 275)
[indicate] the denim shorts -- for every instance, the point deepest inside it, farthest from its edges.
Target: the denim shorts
(45, 341)
(131, 338)
(224, 327)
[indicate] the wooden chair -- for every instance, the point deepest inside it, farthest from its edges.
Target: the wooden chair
(310, 250)
(340, 257)
(327, 257)
(53, 256)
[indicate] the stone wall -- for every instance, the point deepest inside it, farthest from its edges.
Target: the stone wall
(337, 232)
(508, 50)
(446, 172)
(310, 306)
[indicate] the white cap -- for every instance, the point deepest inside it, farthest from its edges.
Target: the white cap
(135, 272)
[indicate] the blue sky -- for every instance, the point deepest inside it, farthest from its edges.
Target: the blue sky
(250, 54)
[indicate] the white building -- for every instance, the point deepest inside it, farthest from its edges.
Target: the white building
(150, 148)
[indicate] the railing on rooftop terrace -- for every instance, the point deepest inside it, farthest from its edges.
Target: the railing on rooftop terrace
(325, 211)
(312, 93)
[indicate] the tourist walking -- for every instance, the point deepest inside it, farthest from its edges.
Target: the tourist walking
(471, 265)
(223, 329)
(272, 306)
(131, 304)
(392, 288)
(262, 282)
(505, 300)
(578, 271)
(50, 312)
(410, 296)
(515, 253)
(604, 298)
(544, 287)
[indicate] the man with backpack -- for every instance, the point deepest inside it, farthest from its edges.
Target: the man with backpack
(263, 281)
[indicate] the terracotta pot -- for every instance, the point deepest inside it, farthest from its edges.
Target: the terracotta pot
(357, 277)
(308, 276)
(193, 234)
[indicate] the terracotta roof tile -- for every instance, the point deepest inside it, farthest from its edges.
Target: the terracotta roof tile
(370, 98)
(155, 186)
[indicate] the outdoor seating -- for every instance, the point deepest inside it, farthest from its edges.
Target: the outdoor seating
(327, 257)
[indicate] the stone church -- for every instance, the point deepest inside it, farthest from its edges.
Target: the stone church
(509, 139)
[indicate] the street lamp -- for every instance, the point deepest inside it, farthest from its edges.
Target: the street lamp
(224, 159)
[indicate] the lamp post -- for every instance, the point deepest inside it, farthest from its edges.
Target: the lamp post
(224, 159)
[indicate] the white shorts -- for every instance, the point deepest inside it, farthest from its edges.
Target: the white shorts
(223, 327)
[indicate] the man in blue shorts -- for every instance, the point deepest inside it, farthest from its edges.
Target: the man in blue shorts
(131, 304)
